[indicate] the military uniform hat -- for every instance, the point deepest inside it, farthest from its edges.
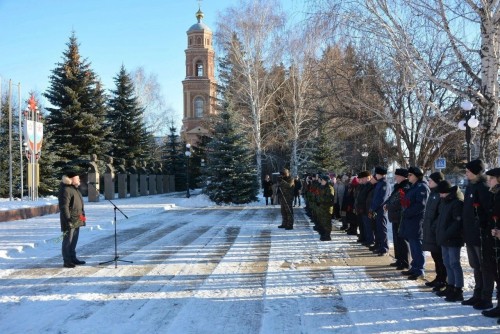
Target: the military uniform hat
(401, 172)
(363, 174)
(494, 172)
(416, 171)
(380, 170)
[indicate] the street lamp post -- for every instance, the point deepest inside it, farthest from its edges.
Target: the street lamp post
(188, 155)
(364, 154)
(469, 122)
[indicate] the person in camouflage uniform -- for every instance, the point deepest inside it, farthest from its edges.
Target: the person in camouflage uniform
(286, 186)
(325, 208)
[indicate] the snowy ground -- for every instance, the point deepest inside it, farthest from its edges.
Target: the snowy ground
(200, 268)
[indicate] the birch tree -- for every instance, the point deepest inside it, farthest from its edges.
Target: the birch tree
(258, 26)
(470, 28)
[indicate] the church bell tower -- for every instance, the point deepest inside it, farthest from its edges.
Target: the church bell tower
(199, 84)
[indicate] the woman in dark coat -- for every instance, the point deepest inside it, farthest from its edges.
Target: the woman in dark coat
(267, 185)
(429, 242)
(449, 237)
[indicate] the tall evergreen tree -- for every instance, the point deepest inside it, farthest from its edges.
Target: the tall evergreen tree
(326, 153)
(230, 167)
(174, 160)
(77, 119)
(5, 161)
(130, 138)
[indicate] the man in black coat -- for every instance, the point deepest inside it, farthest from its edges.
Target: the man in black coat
(477, 201)
(394, 213)
(72, 216)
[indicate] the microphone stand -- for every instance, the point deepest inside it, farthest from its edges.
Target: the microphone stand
(115, 208)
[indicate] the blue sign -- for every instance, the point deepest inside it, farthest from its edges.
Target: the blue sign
(440, 163)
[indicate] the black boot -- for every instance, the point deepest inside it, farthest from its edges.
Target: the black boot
(471, 301)
(438, 286)
(447, 291)
(456, 295)
(483, 304)
(493, 313)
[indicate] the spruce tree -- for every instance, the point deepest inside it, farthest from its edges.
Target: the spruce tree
(326, 155)
(130, 138)
(174, 159)
(5, 161)
(77, 119)
(230, 172)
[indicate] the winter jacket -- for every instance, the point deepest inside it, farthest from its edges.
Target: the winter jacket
(491, 254)
(361, 199)
(325, 200)
(339, 189)
(380, 194)
(393, 203)
(71, 208)
(449, 222)
(413, 210)
(477, 202)
(285, 189)
(297, 188)
(267, 185)
(430, 220)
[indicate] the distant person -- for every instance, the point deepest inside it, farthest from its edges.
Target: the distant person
(267, 185)
(72, 217)
(411, 227)
(477, 201)
(286, 185)
(297, 191)
(449, 231)
(491, 251)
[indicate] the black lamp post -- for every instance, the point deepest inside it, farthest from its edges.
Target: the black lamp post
(469, 122)
(188, 154)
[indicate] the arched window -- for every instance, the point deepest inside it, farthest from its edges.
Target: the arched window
(199, 69)
(198, 106)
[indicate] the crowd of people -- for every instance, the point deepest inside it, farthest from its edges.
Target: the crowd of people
(427, 214)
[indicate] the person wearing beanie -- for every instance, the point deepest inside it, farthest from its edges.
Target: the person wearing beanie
(449, 238)
(477, 204)
(394, 211)
(365, 188)
(429, 243)
(412, 221)
(493, 258)
(72, 217)
(380, 195)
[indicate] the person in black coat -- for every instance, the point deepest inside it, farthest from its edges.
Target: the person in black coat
(413, 217)
(394, 213)
(491, 245)
(429, 242)
(297, 191)
(381, 193)
(449, 237)
(267, 185)
(72, 217)
(365, 187)
(348, 206)
(477, 200)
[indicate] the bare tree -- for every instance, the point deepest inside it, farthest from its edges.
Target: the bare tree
(258, 26)
(300, 103)
(157, 114)
(426, 66)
